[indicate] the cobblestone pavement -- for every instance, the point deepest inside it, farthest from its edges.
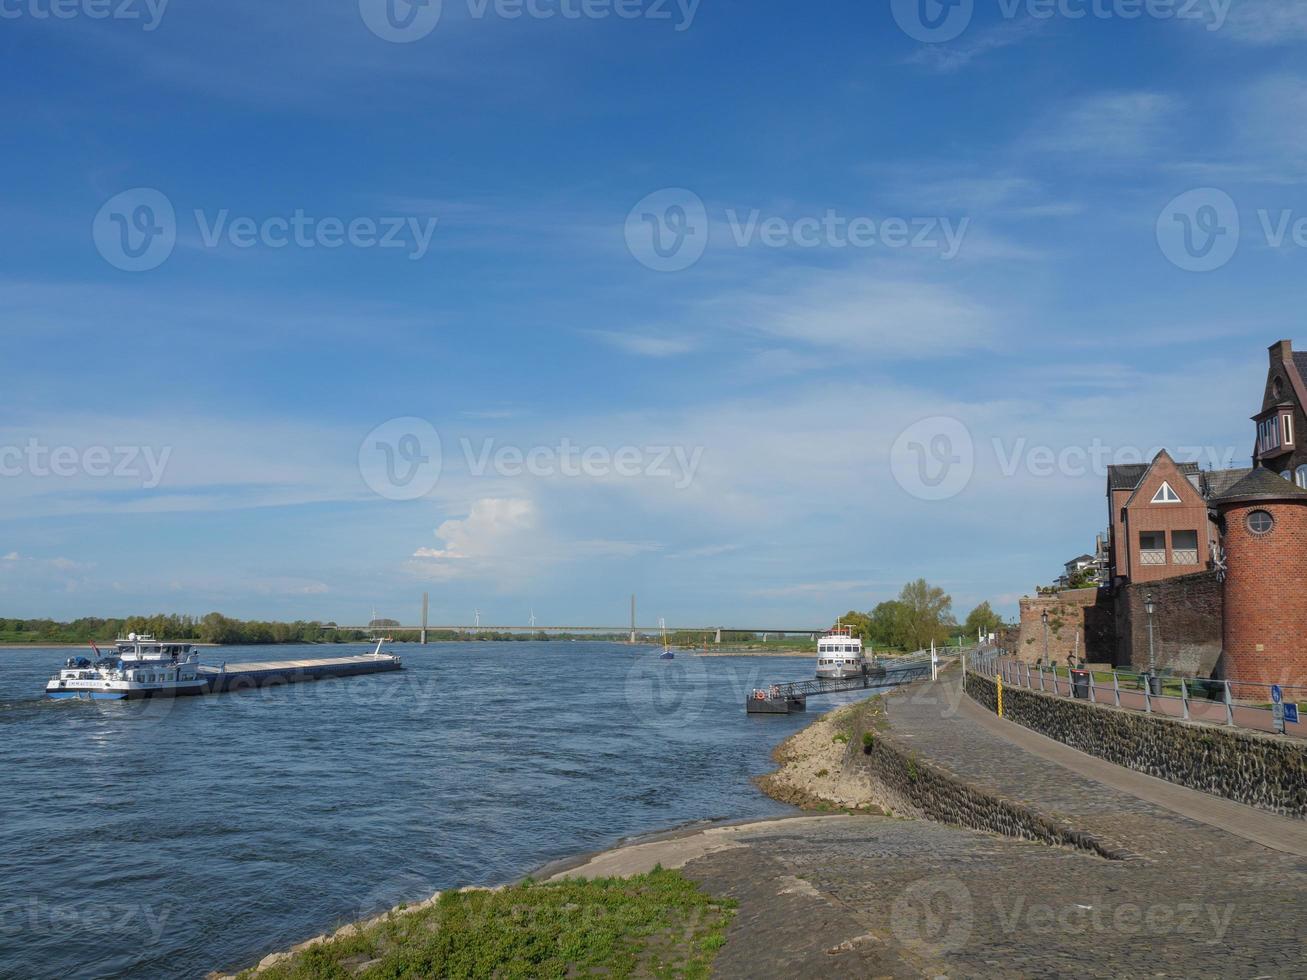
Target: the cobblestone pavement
(877, 896)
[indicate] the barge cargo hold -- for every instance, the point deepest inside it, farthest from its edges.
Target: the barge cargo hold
(248, 676)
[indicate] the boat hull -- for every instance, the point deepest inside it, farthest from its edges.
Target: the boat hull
(91, 694)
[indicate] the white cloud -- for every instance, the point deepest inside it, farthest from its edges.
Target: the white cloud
(836, 587)
(1272, 126)
(1267, 21)
(644, 344)
(853, 312)
(12, 556)
(67, 564)
(947, 58)
(1114, 125)
(706, 551)
(489, 527)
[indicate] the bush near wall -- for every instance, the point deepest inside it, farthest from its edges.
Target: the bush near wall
(1265, 771)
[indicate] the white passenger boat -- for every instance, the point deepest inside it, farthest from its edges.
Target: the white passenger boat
(839, 654)
(139, 667)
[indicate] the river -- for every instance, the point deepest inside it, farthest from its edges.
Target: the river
(171, 838)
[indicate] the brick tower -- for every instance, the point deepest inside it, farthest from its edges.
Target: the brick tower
(1265, 603)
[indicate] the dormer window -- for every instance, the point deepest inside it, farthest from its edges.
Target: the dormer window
(1165, 495)
(1275, 434)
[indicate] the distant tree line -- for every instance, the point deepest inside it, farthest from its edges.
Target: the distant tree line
(213, 628)
(922, 614)
(217, 628)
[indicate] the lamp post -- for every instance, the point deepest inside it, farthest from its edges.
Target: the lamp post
(1149, 607)
(1044, 617)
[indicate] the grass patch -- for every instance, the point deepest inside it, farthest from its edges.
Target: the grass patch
(659, 924)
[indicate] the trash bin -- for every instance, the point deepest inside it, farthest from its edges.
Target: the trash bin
(1080, 684)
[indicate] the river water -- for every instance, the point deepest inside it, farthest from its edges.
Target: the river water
(171, 838)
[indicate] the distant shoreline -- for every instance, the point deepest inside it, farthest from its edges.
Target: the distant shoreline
(732, 651)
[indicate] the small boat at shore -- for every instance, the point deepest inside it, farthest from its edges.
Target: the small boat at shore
(667, 651)
(839, 654)
(139, 667)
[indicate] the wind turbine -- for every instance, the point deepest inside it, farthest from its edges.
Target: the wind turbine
(533, 619)
(477, 614)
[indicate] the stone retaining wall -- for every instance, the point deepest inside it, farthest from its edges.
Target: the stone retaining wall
(1264, 771)
(910, 786)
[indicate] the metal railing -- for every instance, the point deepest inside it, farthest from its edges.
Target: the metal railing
(881, 672)
(1233, 703)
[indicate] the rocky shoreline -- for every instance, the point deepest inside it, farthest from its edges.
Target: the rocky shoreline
(814, 774)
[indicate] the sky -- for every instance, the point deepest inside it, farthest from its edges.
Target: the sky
(755, 310)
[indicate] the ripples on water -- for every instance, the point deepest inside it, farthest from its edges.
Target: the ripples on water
(165, 838)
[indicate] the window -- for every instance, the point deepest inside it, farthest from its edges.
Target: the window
(1184, 547)
(1152, 548)
(1260, 522)
(1268, 435)
(1287, 475)
(1287, 422)
(1300, 477)
(1165, 495)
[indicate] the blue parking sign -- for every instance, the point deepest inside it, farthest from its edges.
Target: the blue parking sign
(1290, 713)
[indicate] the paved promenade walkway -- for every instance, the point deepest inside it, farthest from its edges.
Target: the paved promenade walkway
(874, 896)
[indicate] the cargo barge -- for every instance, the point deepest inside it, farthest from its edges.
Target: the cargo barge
(142, 667)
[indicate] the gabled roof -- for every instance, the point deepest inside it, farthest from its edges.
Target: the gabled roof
(1128, 476)
(1262, 484)
(1300, 362)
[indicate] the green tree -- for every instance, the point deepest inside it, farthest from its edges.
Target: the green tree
(886, 629)
(983, 619)
(925, 614)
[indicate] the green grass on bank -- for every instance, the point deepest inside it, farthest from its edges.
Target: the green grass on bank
(654, 925)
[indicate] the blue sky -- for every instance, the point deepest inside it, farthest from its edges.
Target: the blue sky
(758, 420)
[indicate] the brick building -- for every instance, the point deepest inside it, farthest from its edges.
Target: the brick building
(1159, 526)
(1265, 594)
(1283, 418)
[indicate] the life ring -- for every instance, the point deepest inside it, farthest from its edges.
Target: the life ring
(759, 696)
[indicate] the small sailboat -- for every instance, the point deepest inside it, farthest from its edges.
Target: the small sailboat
(667, 652)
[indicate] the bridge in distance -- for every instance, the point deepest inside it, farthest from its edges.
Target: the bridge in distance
(632, 633)
(631, 629)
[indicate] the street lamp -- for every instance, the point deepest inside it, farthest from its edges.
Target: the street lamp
(1149, 607)
(1044, 617)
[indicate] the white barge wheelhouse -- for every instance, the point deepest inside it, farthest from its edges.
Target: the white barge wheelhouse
(139, 667)
(839, 654)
